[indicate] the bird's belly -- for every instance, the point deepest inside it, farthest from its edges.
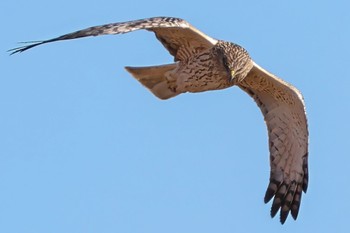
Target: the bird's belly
(202, 74)
(204, 82)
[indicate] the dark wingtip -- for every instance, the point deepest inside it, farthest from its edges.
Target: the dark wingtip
(283, 216)
(295, 209)
(26, 47)
(295, 214)
(271, 190)
(274, 210)
(269, 195)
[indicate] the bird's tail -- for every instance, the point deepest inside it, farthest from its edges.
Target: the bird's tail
(153, 77)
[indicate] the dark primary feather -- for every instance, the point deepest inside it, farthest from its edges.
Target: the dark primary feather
(26, 47)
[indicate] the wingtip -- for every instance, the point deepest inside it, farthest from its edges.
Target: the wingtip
(274, 210)
(25, 47)
(14, 51)
(294, 215)
(269, 195)
(284, 216)
(271, 190)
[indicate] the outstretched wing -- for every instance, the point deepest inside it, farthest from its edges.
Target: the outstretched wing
(284, 112)
(178, 36)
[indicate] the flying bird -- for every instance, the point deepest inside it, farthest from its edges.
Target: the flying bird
(202, 63)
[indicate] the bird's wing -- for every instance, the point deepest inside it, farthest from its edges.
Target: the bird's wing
(177, 35)
(284, 112)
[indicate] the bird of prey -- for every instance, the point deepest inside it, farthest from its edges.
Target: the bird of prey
(202, 63)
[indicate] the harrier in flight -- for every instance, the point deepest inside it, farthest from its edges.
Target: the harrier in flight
(202, 63)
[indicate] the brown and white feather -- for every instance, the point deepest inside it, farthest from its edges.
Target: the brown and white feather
(284, 113)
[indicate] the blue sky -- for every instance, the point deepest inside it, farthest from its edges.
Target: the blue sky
(85, 148)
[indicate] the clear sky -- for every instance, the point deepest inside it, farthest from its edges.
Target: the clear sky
(85, 148)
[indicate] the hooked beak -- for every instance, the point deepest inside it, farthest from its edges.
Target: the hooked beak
(232, 74)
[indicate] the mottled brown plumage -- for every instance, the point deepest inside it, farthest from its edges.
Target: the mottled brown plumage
(202, 64)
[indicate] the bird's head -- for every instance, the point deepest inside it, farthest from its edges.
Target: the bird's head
(235, 59)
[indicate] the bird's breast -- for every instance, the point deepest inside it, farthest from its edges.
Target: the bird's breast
(202, 72)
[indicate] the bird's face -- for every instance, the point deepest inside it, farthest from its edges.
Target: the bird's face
(236, 60)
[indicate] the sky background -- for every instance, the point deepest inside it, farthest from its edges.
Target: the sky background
(85, 148)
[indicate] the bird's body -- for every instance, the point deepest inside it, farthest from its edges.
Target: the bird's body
(202, 71)
(202, 64)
